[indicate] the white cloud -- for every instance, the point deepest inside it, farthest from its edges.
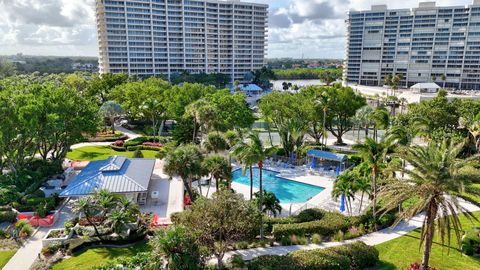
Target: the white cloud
(315, 28)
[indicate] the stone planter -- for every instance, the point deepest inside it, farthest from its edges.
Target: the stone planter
(56, 241)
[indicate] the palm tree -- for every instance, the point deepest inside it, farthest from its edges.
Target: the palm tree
(345, 185)
(380, 119)
(89, 209)
(219, 169)
(117, 220)
(215, 142)
(153, 109)
(373, 153)
(243, 154)
(473, 127)
(403, 102)
(271, 204)
(111, 111)
(435, 177)
(362, 184)
(364, 118)
(255, 152)
(443, 78)
(186, 162)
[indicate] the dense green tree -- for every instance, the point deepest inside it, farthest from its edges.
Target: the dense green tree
(186, 162)
(263, 76)
(178, 97)
(99, 88)
(434, 178)
(218, 223)
(343, 103)
(178, 247)
(309, 73)
(215, 142)
(7, 68)
(112, 111)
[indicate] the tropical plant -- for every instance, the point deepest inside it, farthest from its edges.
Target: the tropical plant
(435, 176)
(180, 249)
(345, 186)
(186, 162)
(215, 142)
(362, 184)
(271, 204)
(89, 210)
(111, 111)
(373, 153)
(219, 168)
(117, 220)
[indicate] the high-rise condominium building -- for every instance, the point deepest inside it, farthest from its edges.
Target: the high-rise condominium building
(155, 37)
(424, 44)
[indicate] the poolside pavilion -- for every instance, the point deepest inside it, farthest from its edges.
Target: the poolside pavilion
(327, 160)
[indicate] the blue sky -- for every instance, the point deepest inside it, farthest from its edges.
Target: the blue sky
(312, 28)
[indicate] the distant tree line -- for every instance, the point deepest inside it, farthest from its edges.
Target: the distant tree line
(308, 73)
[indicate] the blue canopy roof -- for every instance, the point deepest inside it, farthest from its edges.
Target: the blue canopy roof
(116, 174)
(327, 155)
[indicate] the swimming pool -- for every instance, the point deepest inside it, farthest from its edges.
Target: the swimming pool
(287, 191)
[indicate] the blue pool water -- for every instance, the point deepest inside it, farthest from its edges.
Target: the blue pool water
(287, 191)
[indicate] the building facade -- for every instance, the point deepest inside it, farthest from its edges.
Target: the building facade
(164, 37)
(424, 44)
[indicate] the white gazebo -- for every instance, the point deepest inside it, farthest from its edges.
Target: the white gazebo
(425, 88)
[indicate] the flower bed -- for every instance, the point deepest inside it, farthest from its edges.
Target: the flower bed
(56, 237)
(108, 137)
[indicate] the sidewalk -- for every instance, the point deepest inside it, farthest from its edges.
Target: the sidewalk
(371, 239)
(26, 255)
(129, 133)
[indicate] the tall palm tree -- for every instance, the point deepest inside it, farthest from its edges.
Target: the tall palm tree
(186, 162)
(435, 177)
(373, 153)
(215, 142)
(219, 168)
(271, 204)
(89, 209)
(364, 118)
(345, 185)
(243, 154)
(473, 127)
(362, 184)
(380, 119)
(255, 152)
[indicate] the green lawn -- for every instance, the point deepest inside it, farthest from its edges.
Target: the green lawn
(102, 152)
(400, 252)
(5, 256)
(94, 257)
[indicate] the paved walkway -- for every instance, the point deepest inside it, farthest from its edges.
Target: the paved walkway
(129, 133)
(369, 239)
(26, 255)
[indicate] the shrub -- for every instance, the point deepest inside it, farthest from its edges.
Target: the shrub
(68, 226)
(351, 256)
(118, 143)
(41, 210)
(270, 221)
(328, 225)
(316, 238)
(310, 215)
(417, 266)
(7, 216)
(5, 208)
(236, 261)
(118, 148)
(50, 250)
(138, 154)
(26, 230)
(152, 144)
(339, 236)
(273, 262)
(241, 245)
(471, 241)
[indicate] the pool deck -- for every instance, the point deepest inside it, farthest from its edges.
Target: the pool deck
(322, 200)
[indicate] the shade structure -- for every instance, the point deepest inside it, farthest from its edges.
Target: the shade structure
(342, 203)
(327, 155)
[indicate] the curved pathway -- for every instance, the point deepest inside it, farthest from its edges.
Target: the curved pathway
(371, 239)
(131, 135)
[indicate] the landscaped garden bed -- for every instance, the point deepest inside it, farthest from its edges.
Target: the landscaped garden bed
(107, 136)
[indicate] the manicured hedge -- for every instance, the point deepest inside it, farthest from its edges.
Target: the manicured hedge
(143, 147)
(7, 216)
(140, 140)
(310, 215)
(108, 139)
(357, 255)
(328, 225)
(118, 148)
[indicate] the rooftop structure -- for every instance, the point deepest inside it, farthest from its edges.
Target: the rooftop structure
(155, 37)
(424, 44)
(118, 174)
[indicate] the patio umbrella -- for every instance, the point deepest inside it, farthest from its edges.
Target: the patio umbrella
(313, 163)
(342, 203)
(337, 170)
(292, 157)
